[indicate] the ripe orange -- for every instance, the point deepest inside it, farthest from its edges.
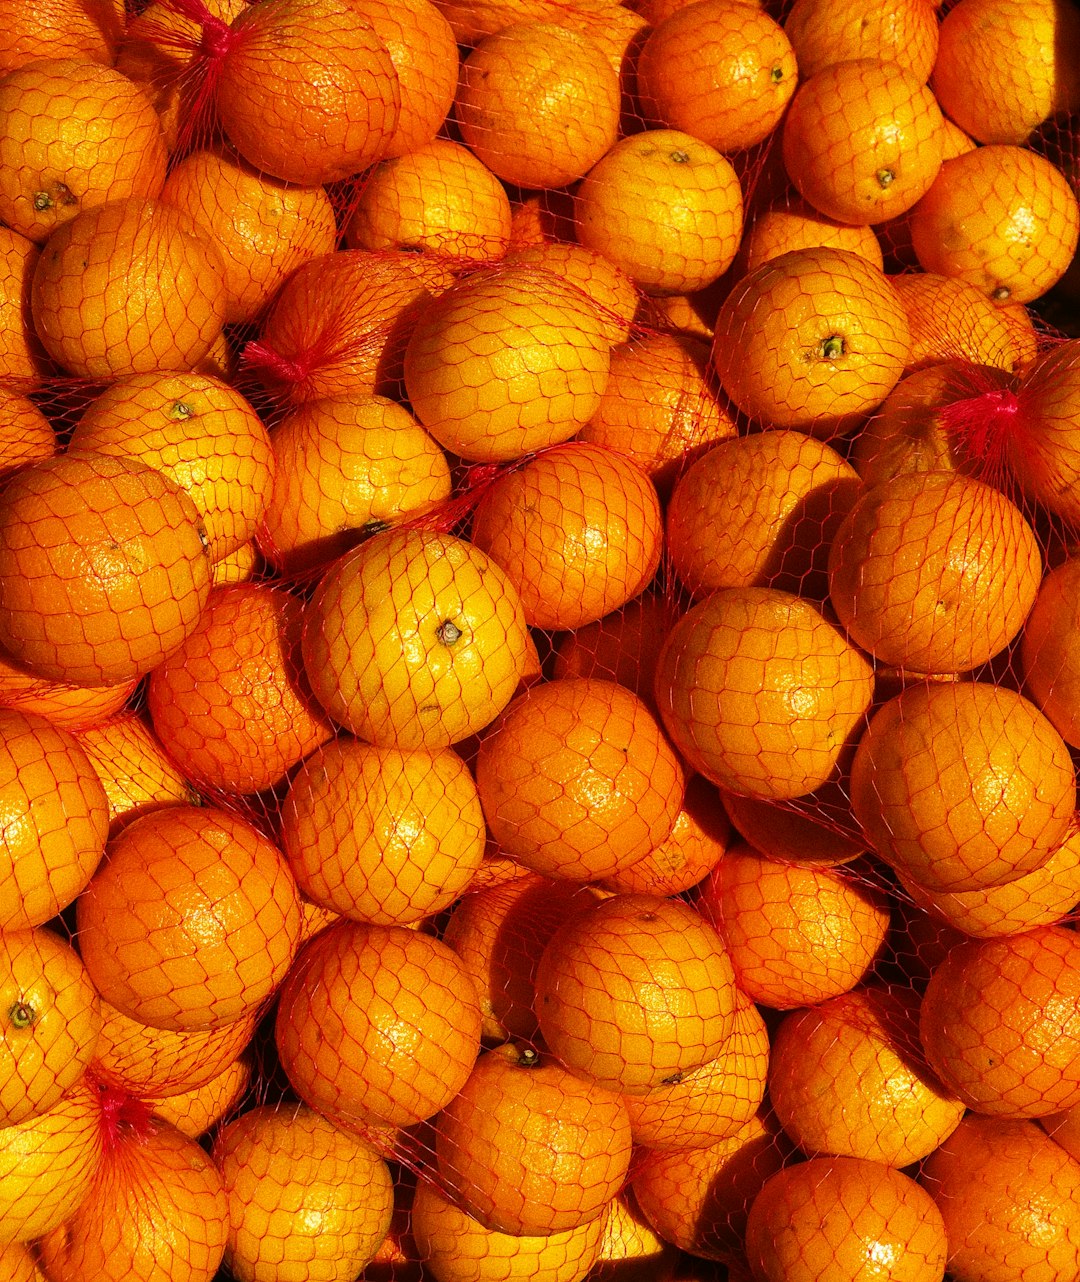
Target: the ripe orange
(527, 1148)
(230, 705)
(472, 20)
(814, 339)
(377, 1025)
(840, 1219)
(760, 692)
(792, 223)
(1047, 655)
(900, 31)
(796, 935)
(665, 207)
(23, 362)
(538, 104)
(18, 1263)
(304, 1198)
(1000, 1022)
(26, 435)
(934, 571)
(578, 781)
(814, 837)
(59, 29)
(55, 819)
(192, 921)
(68, 706)
(610, 289)
(414, 640)
(1038, 436)
(194, 1112)
(623, 646)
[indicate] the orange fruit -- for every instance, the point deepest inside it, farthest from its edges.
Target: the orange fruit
(613, 292)
(472, 20)
(303, 1197)
(50, 1025)
(23, 362)
(377, 1025)
(623, 646)
(18, 1263)
(759, 511)
(665, 207)
(56, 819)
(68, 706)
(933, 571)
(191, 922)
(344, 464)
(263, 228)
(660, 407)
(1000, 1020)
(760, 692)
(796, 935)
(527, 1148)
(717, 72)
(901, 31)
(596, 984)
(1004, 67)
(230, 705)
(1001, 217)
(73, 134)
(26, 435)
(436, 198)
(236, 567)
(1010, 1198)
(792, 836)
(578, 781)
(577, 529)
(1047, 657)
(794, 224)
(538, 104)
(847, 1077)
(456, 1247)
(1036, 431)
(156, 1208)
(381, 835)
(814, 339)
(194, 1112)
(838, 1219)
(863, 140)
(506, 362)
(307, 90)
(59, 29)
(962, 785)
(952, 320)
(1061, 1127)
(48, 1163)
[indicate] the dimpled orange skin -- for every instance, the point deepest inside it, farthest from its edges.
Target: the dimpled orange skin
(25, 433)
(59, 29)
(814, 339)
(1045, 451)
(135, 772)
(194, 1113)
(760, 692)
(901, 31)
(23, 362)
(791, 223)
(70, 707)
(104, 568)
(1048, 655)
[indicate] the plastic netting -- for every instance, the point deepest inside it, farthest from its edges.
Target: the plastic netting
(539, 631)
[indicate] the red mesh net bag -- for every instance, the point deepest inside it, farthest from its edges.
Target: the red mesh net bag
(539, 612)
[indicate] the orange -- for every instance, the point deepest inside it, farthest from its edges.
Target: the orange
(230, 706)
(760, 692)
(304, 1198)
(1001, 217)
(814, 339)
(377, 1025)
(48, 1163)
(1037, 430)
(345, 464)
(73, 135)
(839, 1219)
(192, 921)
(1047, 655)
(863, 140)
(609, 288)
(792, 836)
(195, 1112)
(660, 407)
(262, 227)
(847, 1077)
(23, 362)
(1005, 66)
(381, 835)
(794, 224)
(236, 567)
(414, 640)
(934, 571)
(26, 435)
(59, 29)
(759, 511)
(201, 434)
(455, 1247)
(596, 986)
(104, 568)
(952, 320)
(665, 207)
(156, 1209)
(55, 819)
(578, 781)
(577, 529)
(1062, 1128)
(1010, 1198)
(796, 935)
(472, 20)
(1000, 1021)
(623, 646)
(306, 90)
(717, 72)
(18, 1263)
(506, 362)
(436, 198)
(527, 1148)
(690, 313)
(962, 786)
(901, 31)
(50, 1023)
(538, 104)
(68, 706)
(619, 32)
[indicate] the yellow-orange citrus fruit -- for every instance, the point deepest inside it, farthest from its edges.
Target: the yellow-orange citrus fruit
(70, 707)
(900, 31)
(60, 29)
(792, 223)
(598, 278)
(25, 433)
(23, 361)
(803, 836)
(623, 646)
(194, 1112)
(1047, 657)
(1041, 451)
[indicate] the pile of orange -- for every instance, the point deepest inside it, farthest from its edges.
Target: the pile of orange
(539, 632)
